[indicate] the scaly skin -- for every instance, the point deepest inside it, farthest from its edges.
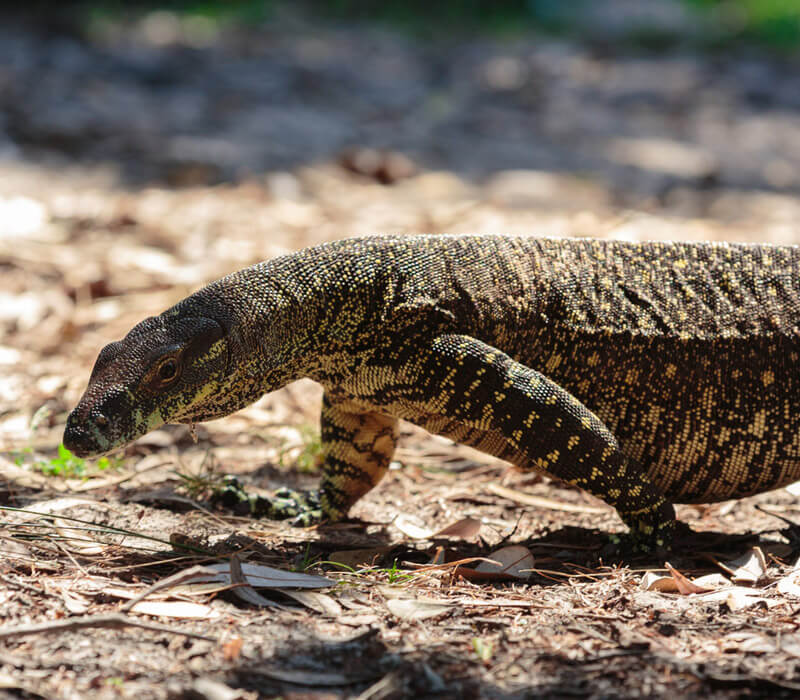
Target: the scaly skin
(645, 373)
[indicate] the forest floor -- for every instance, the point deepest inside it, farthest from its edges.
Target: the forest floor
(144, 160)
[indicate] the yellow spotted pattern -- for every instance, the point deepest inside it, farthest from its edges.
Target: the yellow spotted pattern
(646, 373)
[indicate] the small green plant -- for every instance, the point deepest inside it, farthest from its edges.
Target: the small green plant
(396, 575)
(22, 456)
(337, 565)
(105, 463)
(309, 457)
(198, 486)
(307, 561)
(483, 648)
(209, 480)
(68, 465)
(65, 464)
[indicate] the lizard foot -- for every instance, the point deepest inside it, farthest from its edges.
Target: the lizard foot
(651, 532)
(631, 544)
(303, 507)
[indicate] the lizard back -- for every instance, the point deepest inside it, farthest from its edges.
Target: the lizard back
(688, 352)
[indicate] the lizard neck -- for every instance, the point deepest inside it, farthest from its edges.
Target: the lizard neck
(294, 316)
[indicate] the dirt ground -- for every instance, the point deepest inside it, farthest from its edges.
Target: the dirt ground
(145, 159)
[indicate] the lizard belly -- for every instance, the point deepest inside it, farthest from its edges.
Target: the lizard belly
(491, 442)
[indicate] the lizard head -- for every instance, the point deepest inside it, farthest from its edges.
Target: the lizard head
(161, 372)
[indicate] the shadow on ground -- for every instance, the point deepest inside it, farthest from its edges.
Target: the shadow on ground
(160, 107)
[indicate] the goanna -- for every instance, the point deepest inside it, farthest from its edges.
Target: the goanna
(644, 373)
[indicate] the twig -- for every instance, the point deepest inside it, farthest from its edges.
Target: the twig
(22, 584)
(529, 499)
(112, 621)
(180, 577)
(116, 481)
(111, 529)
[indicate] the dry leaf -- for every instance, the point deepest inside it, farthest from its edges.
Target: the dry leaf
(14, 474)
(181, 590)
(509, 562)
(757, 645)
(684, 585)
(80, 541)
(320, 602)
(735, 597)
(260, 576)
(246, 592)
(209, 689)
(76, 604)
(790, 584)
(310, 678)
(464, 529)
(13, 552)
(358, 620)
(748, 642)
(411, 526)
(793, 488)
(741, 598)
(251, 596)
(232, 648)
(494, 603)
(412, 609)
(652, 581)
(22, 217)
(56, 505)
(748, 568)
(129, 594)
(178, 609)
(712, 581)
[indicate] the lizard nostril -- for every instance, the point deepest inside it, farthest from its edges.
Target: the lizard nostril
(101, 421)
(77, 440)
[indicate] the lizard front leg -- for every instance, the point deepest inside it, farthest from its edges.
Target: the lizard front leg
(467, 380)
(357, 447)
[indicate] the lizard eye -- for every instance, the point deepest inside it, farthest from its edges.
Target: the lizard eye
(164, 373)
(168, 370)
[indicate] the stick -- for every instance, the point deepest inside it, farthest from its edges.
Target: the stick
(113, 621)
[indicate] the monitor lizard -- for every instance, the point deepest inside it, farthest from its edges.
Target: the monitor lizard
(645, 373)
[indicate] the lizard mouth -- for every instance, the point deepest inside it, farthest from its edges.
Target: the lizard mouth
(96, 455)
(80, 441)
(86, 441)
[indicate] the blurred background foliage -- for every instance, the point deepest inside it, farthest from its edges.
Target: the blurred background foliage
(704, 23)
(772, 22)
